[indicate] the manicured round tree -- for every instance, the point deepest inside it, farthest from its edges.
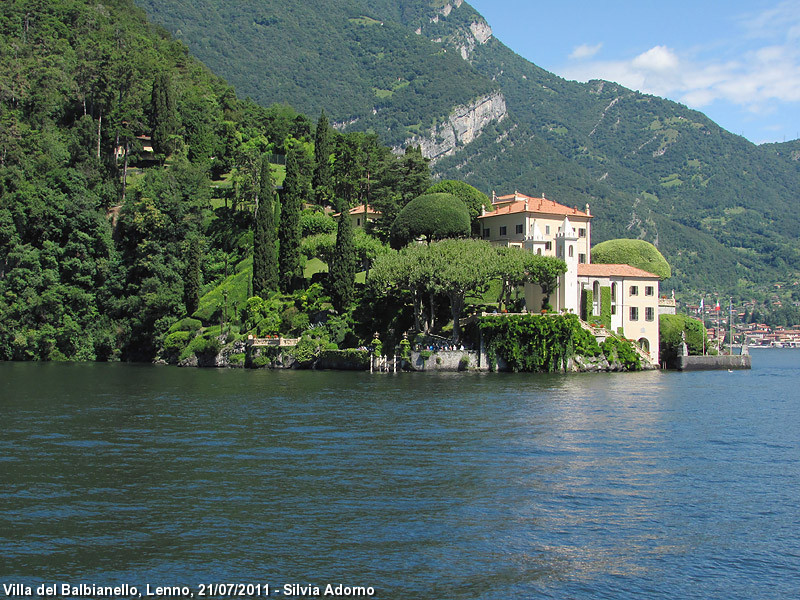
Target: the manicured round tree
(432, 216)
(475, 199)
(636, 253)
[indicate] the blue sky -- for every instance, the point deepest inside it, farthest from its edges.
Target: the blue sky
(738, 62)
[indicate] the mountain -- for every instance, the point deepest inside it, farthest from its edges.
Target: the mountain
(430, 72)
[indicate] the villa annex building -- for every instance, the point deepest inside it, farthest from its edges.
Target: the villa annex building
(622, 297)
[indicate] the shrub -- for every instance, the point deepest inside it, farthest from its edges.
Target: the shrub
(202, 347)
(313, 223)
(619, 350)
(535, 342)
(433, 216)
(175, 343)
(187, 324)
(636, 253)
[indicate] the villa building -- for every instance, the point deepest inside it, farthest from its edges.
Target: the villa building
(621, 297)
(360, 216)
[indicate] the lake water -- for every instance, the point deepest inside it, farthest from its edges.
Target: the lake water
(454, 486)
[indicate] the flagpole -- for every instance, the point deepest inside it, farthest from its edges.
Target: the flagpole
(730, 325)
(702, 325)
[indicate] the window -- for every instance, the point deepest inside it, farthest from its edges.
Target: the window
(582, 259)
(634, 313)
(571, 251)
(520, 228)
(634, 290)
(486, 231)
(358, 221)
(547, 229)
(502, 231)
(613, 298)
(548, 245)
(648, 290)
(582, 232)
(649, 314)
(539, 251)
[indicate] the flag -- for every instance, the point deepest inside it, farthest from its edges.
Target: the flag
(717, 306)
(701, 306)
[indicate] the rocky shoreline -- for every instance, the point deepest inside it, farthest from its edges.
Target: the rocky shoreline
(234, 357)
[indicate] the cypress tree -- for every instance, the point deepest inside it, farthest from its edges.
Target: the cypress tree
(164, 123)
(294, 190)
(265, 259)
(343, 267)
(191, 286)
(321, 182)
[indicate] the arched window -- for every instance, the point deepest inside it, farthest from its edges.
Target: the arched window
(571, 251)
(539, 251)
(644, 344)
(613, 298)
(596, 294)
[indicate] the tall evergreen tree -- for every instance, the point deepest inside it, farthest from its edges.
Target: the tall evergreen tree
(191, 285)
(349, 174)
(321, 181)
(164, 122)
(295, 190)
(343, 267)
(265, 258)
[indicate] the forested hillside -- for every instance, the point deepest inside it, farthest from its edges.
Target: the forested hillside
(130, 177)
(722, 210)
(352, 58)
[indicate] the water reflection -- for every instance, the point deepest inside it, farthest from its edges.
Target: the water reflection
(462, 486)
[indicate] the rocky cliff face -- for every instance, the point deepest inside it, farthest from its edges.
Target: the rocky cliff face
(464, 36)
(464, 124)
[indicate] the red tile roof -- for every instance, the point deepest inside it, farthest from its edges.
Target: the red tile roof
(358, 210)
(515, 203)
(597, 270)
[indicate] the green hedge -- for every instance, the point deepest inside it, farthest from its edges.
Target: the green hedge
(536, 343)
(605, 306)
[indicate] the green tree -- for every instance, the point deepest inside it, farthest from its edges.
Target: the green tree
(636, 253)
(461, 267)
(265, 260)
(191, 286)
(343, 267)
(545, 271)
(432, 216)
(164, 121)
(474, 199)
(349, 174)
(295, 191)
(674, 330)
(321, 181)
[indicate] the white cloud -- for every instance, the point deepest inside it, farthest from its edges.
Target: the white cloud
(658, 58)
(585, 51)
(761, 74)
(783, 19)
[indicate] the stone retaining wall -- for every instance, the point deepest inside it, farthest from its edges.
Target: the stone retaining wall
(711, 363)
